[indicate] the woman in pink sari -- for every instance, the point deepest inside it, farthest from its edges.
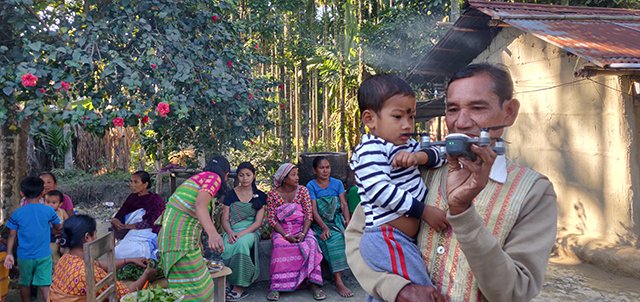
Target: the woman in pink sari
(295, 255)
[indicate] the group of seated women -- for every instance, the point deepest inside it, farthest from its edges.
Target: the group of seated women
(307, 226)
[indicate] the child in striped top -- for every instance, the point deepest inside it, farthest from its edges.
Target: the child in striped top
(389, 184)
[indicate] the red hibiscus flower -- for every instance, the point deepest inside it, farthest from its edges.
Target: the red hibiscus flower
(214, 18)
(250, 96)
(29, 80)
(153, 66)
(163, 109)
(145, 119)
(257, 47)
(118, 121)
(281, 105)
(64, 85)
(229, 63)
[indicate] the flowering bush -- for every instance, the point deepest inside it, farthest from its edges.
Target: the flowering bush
(29, 80)
(64, 85)
(163, 109)
(118, 121)
(114, 55)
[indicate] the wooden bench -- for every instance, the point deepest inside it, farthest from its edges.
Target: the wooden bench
(219, 283)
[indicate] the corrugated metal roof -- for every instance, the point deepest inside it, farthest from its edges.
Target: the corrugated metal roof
(602, 36)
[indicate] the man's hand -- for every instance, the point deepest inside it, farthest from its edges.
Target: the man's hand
(405, 159)
(467, 178)
(436, 218)
(425, 293)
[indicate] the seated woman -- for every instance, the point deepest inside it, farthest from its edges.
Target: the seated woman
(295, 255)
(331, 214)
(133, 223)
(51, 184)
(69, 279)
(242, 216)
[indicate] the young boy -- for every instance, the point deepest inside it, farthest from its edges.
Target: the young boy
(389, 182)
(32, 225)
(54, 199)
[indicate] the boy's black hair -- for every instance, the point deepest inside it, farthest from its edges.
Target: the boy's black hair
(145, 178)
(374, 91)
(31, 186)
(74, 229)
(56, 193)
(502, 82)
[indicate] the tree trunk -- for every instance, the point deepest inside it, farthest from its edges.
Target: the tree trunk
(455, 10)
(342, 96)
(13, 165)
(68, 155)
(304, 105)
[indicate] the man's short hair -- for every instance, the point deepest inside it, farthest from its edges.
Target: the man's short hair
(31, 186)
(502, 82)
(374, 91)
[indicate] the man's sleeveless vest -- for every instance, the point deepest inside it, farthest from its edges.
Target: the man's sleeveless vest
(498, 204)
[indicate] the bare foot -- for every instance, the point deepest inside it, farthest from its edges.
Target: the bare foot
(238, 289)
(343, 290)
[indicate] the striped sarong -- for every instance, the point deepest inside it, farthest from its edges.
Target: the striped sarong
(179, 245)
(333, 249)
(242, 256)
(292, 263)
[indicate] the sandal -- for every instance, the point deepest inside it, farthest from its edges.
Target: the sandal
(319, 294)
(236, 296)
(273, 296)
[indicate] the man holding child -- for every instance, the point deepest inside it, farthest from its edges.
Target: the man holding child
(502, 216)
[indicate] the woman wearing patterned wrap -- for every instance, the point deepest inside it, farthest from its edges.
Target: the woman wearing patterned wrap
(331, 214)
(69, 278)
(242, 216)
(295, 255)
(185, 217)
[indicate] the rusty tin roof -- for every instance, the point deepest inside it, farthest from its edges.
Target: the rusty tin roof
(606, 37)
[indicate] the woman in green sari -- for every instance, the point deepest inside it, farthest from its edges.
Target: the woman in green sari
(330, 216)
(242, 216)
(185, 217)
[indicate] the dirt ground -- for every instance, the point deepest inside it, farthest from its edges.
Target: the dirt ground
(566, 280)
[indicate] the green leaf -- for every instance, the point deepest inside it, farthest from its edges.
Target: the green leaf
(8, 90)
(35, 46)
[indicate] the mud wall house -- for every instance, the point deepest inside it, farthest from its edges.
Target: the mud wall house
(577, 76)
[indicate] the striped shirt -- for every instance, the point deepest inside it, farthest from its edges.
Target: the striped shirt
(388, 193)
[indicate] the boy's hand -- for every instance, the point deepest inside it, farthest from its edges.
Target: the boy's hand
(8, 261)
(436, 218)
(405, 159)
